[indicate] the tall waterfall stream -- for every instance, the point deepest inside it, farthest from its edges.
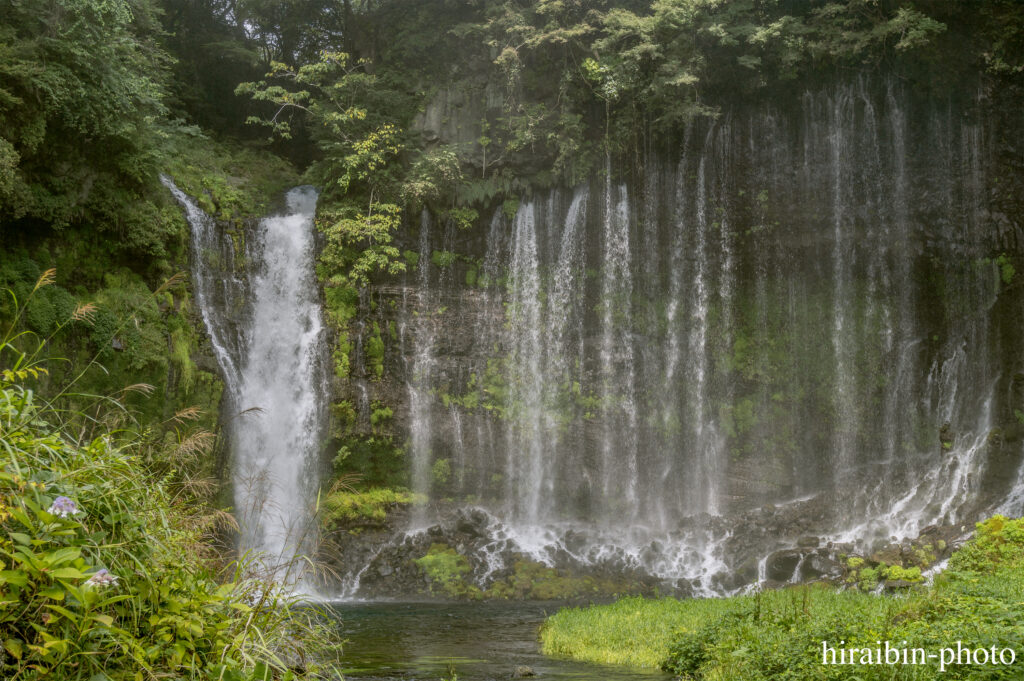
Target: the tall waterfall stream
(261, 308)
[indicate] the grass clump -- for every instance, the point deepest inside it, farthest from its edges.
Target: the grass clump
(635, 632)
(773, 635)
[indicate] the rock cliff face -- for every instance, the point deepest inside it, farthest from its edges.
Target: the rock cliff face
(804, 311)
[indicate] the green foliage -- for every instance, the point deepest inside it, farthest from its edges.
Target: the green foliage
(464, 218)
(779, 634)
(380, 416)
(102, 575)
(123, 342)
(228, 181)
(358, 244)
(898, 572)
(352, 118)
(446, 569)
(432, 177)
(1006, 268)
(84, 127)
(998, 543)
(341, 302)
(441, 471)
(443, 259)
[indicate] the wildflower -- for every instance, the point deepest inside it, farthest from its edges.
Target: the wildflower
(62, 507)
(101, 578)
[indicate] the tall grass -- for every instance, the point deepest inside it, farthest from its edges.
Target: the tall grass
(106, 570)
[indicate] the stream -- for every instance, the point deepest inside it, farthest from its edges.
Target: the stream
(479, 641)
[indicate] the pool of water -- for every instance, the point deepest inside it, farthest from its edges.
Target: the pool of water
(478, 641)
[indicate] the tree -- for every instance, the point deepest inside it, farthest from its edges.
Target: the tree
(81, 89)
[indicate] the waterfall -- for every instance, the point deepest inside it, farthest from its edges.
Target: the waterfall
(420, 373)
(791, 314)
(617, 354)
(261, 309)
(524, 319)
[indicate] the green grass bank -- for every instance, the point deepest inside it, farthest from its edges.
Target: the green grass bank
(778, 635)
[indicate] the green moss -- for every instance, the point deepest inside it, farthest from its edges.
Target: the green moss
(367, 506)
(341, 304)
(535, 581)
(1006, 268)
(231, 182)
(897, 572)
(374, 351)
(182, 359)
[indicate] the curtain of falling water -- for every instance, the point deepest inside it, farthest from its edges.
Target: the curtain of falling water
(795, 303)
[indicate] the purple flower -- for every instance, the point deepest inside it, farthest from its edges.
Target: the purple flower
(101, 578)
(62, 507)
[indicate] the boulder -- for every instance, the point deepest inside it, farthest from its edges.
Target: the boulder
(781, 565)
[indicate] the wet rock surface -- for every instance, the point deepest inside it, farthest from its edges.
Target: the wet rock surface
(467, 553)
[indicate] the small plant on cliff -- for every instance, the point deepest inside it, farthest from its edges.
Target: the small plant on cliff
(447, 571)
